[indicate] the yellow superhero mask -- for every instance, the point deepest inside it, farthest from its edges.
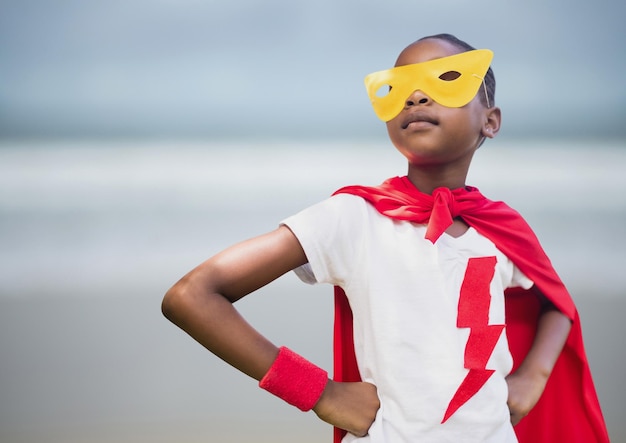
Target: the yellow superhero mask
(451, 81)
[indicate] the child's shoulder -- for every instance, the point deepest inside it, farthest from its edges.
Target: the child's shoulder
(344, 202)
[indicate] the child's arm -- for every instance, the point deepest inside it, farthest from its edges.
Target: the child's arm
(527, 383)
(201, 304)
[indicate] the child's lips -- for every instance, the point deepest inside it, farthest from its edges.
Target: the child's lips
(419, 117)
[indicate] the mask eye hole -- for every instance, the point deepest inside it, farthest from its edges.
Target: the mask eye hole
(383, 91)
(450, 76)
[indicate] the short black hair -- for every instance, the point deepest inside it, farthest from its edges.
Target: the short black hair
(490, 78)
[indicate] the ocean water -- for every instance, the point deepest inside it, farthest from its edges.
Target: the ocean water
(91, 215)
(93, 232)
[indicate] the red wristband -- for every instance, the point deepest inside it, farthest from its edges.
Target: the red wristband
(295, 379)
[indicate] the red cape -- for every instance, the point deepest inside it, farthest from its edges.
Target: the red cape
(569, 410)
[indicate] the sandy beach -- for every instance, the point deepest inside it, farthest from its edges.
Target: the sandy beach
(111, 369)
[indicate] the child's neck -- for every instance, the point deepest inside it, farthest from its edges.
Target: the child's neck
(429, 179)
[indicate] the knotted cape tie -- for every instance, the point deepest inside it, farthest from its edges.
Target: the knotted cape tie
(442, 214)
(398, 199)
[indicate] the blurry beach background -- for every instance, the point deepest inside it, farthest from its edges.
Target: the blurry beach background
(138, 138)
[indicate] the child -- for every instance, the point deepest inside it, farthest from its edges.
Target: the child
(420, 265)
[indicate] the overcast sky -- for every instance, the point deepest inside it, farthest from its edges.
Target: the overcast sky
(285, 68)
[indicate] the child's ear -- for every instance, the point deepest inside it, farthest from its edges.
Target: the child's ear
(491, 126)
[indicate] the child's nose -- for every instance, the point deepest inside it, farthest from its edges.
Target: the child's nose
(417, 98)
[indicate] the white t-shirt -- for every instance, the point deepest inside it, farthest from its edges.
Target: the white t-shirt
(404, 294)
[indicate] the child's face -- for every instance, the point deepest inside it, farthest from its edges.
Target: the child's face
(426, 132)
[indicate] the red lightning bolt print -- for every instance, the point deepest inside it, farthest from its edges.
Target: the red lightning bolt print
(474, 301)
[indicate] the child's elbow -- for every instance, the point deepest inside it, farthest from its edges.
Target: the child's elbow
(174, 302)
